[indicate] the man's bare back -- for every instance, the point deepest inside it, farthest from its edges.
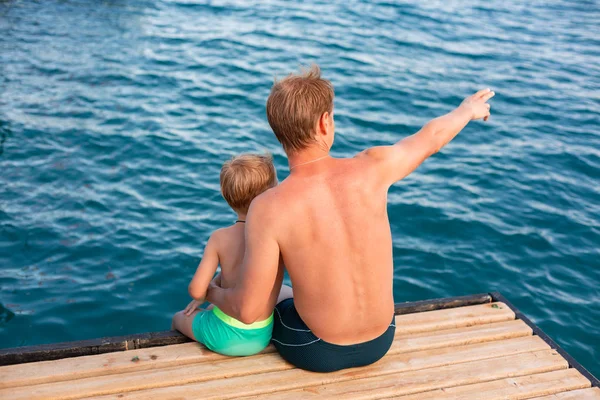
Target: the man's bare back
(336, 245)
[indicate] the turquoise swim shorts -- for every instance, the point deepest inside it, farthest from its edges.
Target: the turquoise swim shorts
(226, 335)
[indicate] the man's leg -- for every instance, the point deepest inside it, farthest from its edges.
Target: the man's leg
(285, 293)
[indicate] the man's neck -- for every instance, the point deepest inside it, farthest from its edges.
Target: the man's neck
(306, 157)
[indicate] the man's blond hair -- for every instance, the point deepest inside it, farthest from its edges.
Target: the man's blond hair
(246, 176)
(295, 105)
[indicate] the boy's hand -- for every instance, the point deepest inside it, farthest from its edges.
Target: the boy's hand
(193, 306)
(477, 106)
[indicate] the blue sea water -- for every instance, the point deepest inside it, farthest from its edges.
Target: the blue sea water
(116, 115)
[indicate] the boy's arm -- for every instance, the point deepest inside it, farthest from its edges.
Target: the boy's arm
(205, 271)
(246, 300)
(397, 161)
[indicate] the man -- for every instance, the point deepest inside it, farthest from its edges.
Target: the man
(328, 223)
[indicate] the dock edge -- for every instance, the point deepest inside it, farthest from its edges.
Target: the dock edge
(55, 351)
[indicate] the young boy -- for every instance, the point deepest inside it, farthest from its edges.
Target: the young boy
(242, 179)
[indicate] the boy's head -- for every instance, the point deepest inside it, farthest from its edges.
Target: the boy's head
(244, 177)
(300, 110)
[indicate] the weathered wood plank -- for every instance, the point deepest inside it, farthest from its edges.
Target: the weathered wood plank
(583, 394)
(461, 336)
(453, 318)
(248, 366)
(523, 387)
(411, 307)
(386, 378)
(449, 355)
(107, 364)
(56, 351)
(81, 348)
(137, 380)
(182, 354)
(538, 331)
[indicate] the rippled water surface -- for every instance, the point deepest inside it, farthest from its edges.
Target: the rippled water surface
(115, 117)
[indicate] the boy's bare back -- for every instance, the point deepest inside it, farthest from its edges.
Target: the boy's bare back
(230, 246)
(242, 178)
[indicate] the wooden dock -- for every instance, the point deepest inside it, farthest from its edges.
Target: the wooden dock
(475, 347)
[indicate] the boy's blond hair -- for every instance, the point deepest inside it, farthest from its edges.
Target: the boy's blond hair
(246, 176)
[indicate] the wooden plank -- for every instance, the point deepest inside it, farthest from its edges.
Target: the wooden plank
(162, 357)
(272, 362)
(450, 355)
(56, 351)
(386, 378)
(411, 307)
(523, 387)
(106, 364)
(137, 380)
(583, 394)
(422, 382)
(453, 318)
(537, 331)
(461, 336)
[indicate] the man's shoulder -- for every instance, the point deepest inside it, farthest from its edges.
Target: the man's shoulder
(267, 201)
(362, 168)
(270, 208)
(375, 163)
(374, 154)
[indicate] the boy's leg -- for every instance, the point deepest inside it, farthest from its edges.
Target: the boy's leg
(183, 323)
(285, 293)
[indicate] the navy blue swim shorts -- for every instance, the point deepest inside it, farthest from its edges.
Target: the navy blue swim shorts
(299, 346)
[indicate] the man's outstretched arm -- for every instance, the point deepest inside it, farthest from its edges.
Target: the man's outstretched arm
(258, 273)
(399, 160)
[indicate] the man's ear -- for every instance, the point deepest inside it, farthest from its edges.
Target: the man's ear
(324, 123)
